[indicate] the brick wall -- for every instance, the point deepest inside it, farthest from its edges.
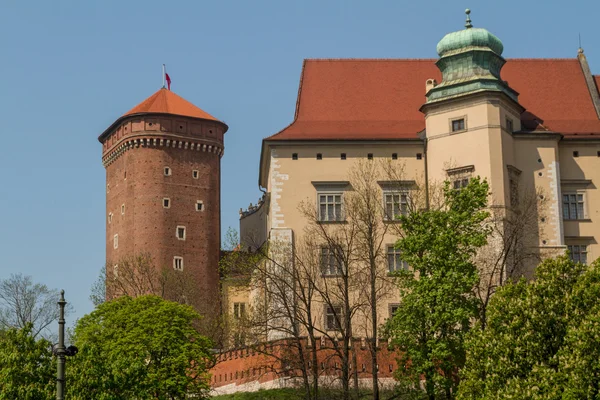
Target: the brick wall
(255, 367)
(136, 155)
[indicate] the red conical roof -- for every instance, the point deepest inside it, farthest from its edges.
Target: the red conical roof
(166, 102)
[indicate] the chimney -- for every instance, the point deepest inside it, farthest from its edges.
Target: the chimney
(430, 84)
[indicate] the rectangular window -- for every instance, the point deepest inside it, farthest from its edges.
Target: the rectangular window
(331, 262)
(393, 309)
(122, 209)
(294, 156)
(178, 263)
(319, 156)
(195, 174)
(199, 205)
(575, 153)
(509, 125)
(396, 204)
(458, 125)
(115, 271)
(166, 202)
(460, 177)
(167, 171)
(180, 232)
(110, 217)
(394, 156)
(116, 241)
(419, 156)
(343, 156)
(333, 315)
(578, 253)
(395, 263)
(514, 192)
(370, 156)
(239, 310)
(460, 183)
(330, 207)
(573, 206)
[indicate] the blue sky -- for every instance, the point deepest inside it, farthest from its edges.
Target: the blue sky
(70, 68)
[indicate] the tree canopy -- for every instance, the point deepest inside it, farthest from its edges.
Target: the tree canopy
(542, 339)
(438, 300)
(142, 348)
(26, 368)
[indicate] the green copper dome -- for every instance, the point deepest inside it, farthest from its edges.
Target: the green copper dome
(470, 37)
(470, 62)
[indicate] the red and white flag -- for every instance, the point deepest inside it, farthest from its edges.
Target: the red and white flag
(168, 78)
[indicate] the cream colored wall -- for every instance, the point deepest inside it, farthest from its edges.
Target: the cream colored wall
(234, 291)
(290, 184)
(485, 143)
(584, 167)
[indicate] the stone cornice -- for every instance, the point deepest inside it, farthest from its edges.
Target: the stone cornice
(149, 140)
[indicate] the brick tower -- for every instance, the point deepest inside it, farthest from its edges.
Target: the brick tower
(163, 183)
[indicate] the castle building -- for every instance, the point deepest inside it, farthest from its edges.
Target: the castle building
(163, 181)
(530, 127)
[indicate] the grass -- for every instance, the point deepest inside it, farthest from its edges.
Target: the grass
(289, 394)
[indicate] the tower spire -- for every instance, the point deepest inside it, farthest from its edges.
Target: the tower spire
(468, 24)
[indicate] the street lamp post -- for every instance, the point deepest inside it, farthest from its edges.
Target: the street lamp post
(60, 351)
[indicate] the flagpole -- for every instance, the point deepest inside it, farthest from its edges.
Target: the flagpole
(163, 76)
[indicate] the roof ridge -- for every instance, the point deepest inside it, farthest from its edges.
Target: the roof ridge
(370, 59)
(364, 59)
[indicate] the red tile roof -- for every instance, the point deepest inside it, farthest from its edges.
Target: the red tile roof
(163, 102)
(380, 99)
(166, 102)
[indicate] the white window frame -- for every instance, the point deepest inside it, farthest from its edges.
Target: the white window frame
(580, 214)
(167, 171)
(334, 194)
(239, 310)
(115, 271)
(177, 232)
(330, 264)
(391, 307)
(110, 216)
(578, 252)
(116, 241)
(123, 209)
(404, 195)
(331, 317)
(201, 203)
(178, 263)
(395, 264)
(195, 174)
(168, 202)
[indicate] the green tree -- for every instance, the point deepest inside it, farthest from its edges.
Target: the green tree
(438, 299)
(542, 338)
(26, 368)
(142, 348)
